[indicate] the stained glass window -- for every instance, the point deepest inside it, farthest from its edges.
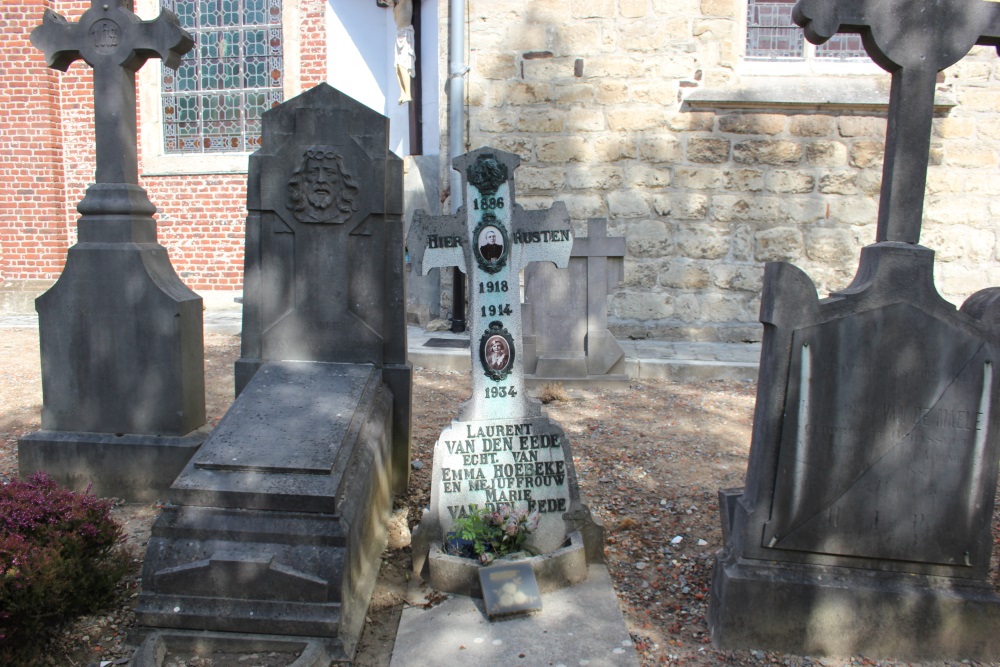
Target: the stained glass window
(772, 35)
(214, 100)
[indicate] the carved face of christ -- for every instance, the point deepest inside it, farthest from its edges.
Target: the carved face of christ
(321, 177)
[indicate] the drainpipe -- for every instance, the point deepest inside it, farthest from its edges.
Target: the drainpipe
(456, 138)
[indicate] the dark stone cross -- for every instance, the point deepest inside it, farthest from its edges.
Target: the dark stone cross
(120, 335)
(913, 41)
(115, 43)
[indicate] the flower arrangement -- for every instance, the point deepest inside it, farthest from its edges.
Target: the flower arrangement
(490, 534)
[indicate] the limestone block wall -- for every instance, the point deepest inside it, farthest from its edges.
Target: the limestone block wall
(610, 105)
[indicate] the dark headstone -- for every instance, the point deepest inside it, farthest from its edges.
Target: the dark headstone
(120, 335)
(864, 526)
(502, 450)
(566, 335)
(324, 249)
(277, 525)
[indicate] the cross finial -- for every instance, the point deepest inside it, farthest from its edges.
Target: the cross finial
(115, 43)
(913, 40)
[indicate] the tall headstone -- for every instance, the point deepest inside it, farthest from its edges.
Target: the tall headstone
(501, 449)
(864, 525)
(277, 524)
(566, 335)
(121, 336)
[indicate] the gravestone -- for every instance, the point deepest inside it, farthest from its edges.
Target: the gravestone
(501, 449)
(864, 526)
(120, 335)
(566, 336)
(277, 524)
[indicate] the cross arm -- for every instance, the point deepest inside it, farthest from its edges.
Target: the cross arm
(169, 42)
(437, 241)
(822, 19)
(56, 38)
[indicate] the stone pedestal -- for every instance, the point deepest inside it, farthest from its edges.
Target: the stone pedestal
(122, 357)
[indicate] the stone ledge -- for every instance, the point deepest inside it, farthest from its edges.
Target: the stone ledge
(792, 92)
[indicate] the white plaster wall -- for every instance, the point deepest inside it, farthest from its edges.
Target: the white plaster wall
(361, 43)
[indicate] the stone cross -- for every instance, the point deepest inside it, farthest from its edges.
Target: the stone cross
(913, 41)
(491, 238)
(569, 309)
(115, 43)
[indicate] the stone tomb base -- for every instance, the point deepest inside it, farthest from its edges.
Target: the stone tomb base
(809, 609)
(276, 526)
(136, 468)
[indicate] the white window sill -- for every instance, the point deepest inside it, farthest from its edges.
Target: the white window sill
(185, 164)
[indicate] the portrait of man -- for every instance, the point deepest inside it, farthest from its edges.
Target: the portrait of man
(489, 247)
(497, 353)
(321, 190)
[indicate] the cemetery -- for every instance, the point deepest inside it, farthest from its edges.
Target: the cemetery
(295, 490)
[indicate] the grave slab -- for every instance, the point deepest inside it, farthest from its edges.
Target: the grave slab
(277, 525)
(120, 335)
(578, 625)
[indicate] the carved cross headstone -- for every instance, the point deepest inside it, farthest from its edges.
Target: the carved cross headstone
(120, 334)
(115, 43)
(914, 41)
(502, 450)
(569, 312)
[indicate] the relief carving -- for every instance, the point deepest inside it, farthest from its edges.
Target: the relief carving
(321, 190)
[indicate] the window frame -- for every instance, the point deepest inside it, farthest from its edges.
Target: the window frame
(808, 65)
(155, 161)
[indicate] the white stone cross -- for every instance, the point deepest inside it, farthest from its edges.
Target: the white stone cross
(491, 238)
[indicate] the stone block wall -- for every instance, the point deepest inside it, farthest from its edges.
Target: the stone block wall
(596, 98)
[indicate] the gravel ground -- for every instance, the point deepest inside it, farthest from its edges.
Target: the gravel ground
(650, 460)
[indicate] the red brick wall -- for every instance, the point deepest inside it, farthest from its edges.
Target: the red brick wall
(33, 234)
(47, 161)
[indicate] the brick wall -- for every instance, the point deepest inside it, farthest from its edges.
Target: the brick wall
(592, 94)
(33, 234)
(47, 148)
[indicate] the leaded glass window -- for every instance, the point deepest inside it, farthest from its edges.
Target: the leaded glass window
(214, 100)
(772, 35)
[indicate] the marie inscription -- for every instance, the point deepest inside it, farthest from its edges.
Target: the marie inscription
(503, 464)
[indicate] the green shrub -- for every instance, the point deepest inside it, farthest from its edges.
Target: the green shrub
(61, 555)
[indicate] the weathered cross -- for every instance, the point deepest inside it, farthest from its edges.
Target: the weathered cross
(115, 43)
(913, 40)
(491, 238)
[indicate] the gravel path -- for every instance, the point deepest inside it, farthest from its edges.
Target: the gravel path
(650, 460)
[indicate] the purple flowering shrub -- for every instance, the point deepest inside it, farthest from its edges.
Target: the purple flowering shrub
(491, 534)
(61, 555)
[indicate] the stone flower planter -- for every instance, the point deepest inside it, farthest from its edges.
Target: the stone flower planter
(554, 570)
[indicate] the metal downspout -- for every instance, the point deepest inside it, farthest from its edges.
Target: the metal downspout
(456, 138)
